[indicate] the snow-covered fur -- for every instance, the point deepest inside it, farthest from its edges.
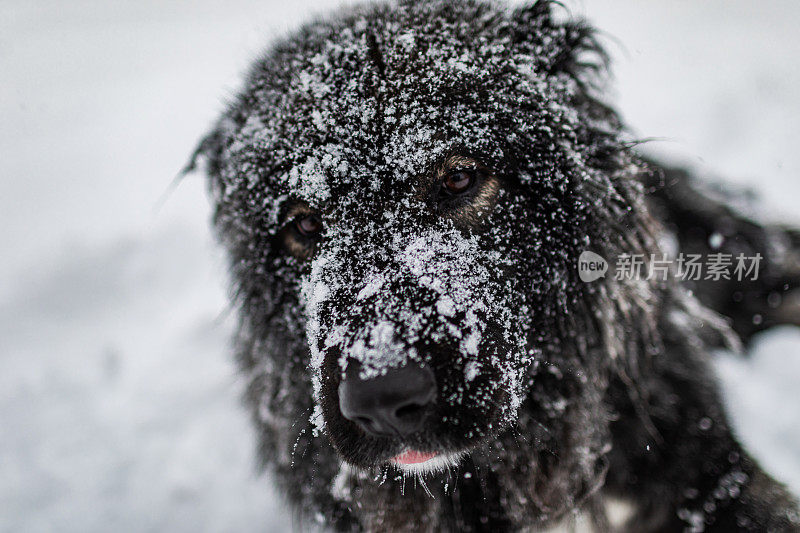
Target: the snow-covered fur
(327, 179)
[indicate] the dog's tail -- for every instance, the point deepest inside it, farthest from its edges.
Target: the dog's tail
(761, 259)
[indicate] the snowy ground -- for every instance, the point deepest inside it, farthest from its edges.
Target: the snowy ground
(118, 401)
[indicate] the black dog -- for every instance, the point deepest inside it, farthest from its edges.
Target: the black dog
(405, 191)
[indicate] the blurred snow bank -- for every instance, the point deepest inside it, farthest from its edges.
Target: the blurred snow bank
(118, 398)
(762, 394)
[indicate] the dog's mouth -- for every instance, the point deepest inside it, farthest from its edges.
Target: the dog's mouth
(415, 461)
(413, 457)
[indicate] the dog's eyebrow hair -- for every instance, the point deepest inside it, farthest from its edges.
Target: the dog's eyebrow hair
(458, 161)
(277, 168)
(296, 207)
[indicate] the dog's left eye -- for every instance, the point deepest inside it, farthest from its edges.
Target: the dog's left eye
(458, 182)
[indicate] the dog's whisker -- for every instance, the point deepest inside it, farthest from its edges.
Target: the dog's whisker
(299, 436)
(421, 479)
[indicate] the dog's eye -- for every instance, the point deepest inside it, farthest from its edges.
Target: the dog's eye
(309, 225)
(458, 182)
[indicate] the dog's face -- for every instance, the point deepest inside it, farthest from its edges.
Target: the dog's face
(416, 317)
(404, 205)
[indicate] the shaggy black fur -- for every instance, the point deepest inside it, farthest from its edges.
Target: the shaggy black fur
(558, 394)
(697, 211)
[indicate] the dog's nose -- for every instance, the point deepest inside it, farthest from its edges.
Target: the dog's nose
(392, 404)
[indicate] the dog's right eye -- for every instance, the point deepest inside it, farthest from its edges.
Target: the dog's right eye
(309, 225)
(302, 232)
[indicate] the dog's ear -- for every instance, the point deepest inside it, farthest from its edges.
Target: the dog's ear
(559, 46)
(534, 14)
(209, 149)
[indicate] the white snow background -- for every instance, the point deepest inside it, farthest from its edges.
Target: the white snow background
(118, 395)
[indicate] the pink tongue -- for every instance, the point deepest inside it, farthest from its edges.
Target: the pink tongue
(410, 457)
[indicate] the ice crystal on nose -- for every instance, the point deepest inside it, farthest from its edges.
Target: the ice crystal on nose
(372, 286)
(445, 306)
